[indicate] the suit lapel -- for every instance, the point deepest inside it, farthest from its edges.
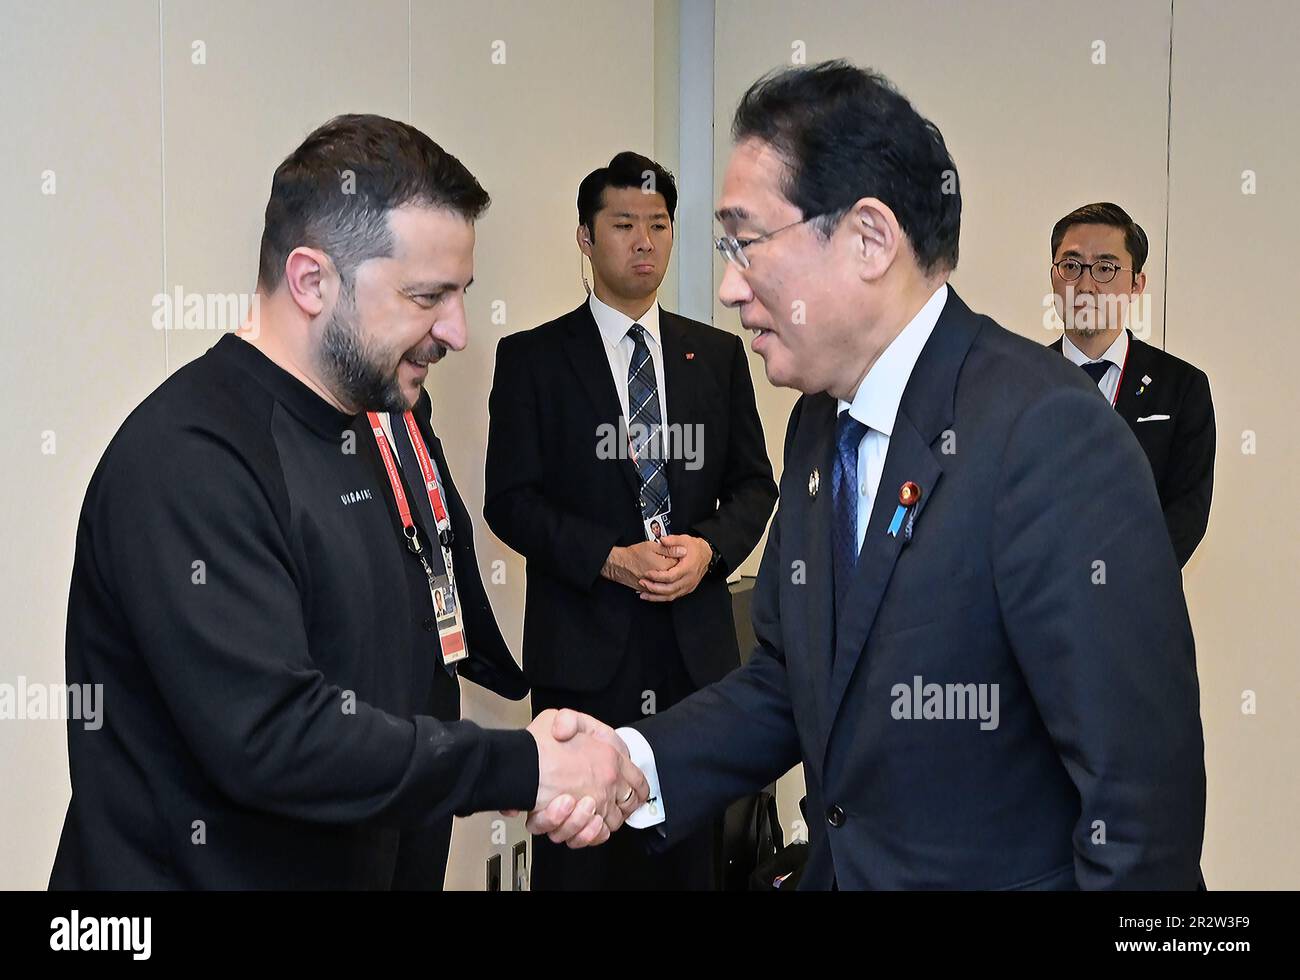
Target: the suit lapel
(586, 351)
(1138, 366)
(679, 380)
(909, 458)
(1127, 401)
(926, 410)
(806, 520)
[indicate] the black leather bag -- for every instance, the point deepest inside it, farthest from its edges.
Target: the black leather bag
(782, 871)
(750, 837)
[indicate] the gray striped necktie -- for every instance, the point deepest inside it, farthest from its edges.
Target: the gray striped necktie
(644, 421)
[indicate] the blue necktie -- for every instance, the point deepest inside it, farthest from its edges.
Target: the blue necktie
(1096, 370)
(844, 501)
(643, 410)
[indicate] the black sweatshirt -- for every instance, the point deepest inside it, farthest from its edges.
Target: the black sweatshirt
(238, 592)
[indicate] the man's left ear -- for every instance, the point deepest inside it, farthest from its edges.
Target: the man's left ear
(876, 236)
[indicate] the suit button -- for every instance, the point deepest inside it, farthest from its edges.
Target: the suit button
(835, 816)
(430, 625)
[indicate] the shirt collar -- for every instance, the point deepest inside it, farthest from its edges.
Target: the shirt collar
(875, 403)
(304, 403)
(1115, 353)
(614, 324)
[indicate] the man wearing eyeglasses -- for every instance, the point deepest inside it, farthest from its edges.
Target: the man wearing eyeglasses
(1097, 256)
(627, 464)
(973, 707)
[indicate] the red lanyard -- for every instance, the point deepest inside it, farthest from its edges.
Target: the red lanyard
(1122, 368)
(426, 470)
(451, 630)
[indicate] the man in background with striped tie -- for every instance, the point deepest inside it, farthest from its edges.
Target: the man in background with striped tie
(612, 423)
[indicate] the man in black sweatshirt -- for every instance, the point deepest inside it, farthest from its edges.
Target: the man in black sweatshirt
(241, 591)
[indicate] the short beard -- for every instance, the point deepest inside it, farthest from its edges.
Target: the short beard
(357, 378)
(1091, 329)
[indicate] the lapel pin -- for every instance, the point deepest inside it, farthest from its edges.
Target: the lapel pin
(1146, 380)
(690, 355)
(814, 482)
(909, 495)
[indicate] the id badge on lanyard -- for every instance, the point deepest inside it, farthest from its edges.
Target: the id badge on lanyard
(657, 525)
(442, 588)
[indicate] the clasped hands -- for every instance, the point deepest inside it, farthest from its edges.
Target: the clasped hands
(587, 785)
(660, 571)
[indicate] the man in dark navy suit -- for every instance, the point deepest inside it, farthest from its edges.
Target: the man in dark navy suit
(1097, 256)
(970, 622)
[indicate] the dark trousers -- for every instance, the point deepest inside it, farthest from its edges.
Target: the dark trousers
(652, 665)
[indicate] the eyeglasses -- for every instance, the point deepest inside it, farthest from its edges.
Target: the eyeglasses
(1102, 271)
(733, 249)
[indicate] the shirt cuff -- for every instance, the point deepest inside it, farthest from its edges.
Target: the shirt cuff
(508, 779)
(651, 812)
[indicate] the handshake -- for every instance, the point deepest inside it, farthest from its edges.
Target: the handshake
(587, 785)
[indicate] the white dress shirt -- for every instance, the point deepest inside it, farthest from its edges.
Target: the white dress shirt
(1115, 355)
(875, 404)
(614, 326)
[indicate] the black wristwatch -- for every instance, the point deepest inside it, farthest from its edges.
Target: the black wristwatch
(716, 559)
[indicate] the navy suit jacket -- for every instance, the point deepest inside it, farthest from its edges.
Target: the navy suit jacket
(1039, 563)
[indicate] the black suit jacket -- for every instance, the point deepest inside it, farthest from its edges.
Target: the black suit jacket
(1027, 483)
(551, 498)
(1173, 418)
(490, 663)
